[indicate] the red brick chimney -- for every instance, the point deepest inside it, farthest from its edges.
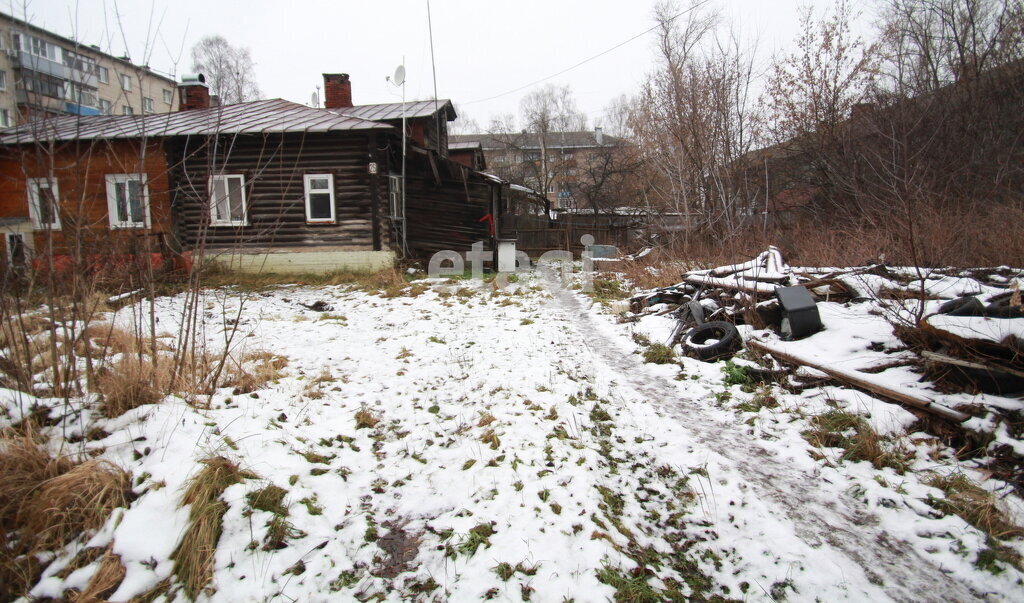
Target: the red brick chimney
(337, 91)
(193, 93)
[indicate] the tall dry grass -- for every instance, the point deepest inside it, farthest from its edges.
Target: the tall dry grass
(194, 556)
(971, 235)
(46, 502)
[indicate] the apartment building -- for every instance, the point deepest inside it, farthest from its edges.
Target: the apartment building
(552, 165)
(45, 74)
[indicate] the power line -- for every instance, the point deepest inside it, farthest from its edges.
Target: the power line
(587, 60)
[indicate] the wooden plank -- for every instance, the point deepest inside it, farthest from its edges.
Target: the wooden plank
(861, 381)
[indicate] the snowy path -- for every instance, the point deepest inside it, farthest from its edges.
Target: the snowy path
(841, 531)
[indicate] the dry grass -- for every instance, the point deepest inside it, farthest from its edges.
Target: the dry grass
(840, 429)
(47, 502)
(975, 505)
(254, 371)
(130, 383)
(104, 582)
(370, 281)
(366, 419)
(194, 557)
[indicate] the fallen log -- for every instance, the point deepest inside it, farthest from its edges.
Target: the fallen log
(860, 380)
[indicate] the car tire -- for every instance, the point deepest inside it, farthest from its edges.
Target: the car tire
(967, 305)
(727, 343)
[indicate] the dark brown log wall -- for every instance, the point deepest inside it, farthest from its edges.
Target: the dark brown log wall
(274, 165)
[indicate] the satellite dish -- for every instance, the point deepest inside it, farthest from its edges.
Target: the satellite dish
(315, 100)
(399, 78)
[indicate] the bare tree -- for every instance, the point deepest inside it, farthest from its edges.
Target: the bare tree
(931, 43)
(228, 69)
(545, 114)
(693, 119)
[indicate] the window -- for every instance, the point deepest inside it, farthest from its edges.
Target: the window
(103, 74)
(105, 107)
(168, 98)
(79, 94)
(79, 62)
(395, 196)
(43, 204)
(147, 105)
(41, 83)
(227, 200)
(319, 198)
(3, 80)
(17, 250)
(37, 47)
(128, 200)
(5, 118)
(127, 110)
(126, 83)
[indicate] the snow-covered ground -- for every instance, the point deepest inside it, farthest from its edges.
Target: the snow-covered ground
(523, 450)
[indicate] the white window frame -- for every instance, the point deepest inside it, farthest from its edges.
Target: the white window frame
(103, 74)
(112, 181)
(33, 203)
(330, 184)
(127, 110)
(168, 96)
(106, 107)
(147, 105)
(213, 206)
(5, 118)
(3, 79)
(126, 82)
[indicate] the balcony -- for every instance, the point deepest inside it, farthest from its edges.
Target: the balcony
(35, 63)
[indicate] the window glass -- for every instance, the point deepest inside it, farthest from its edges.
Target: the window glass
(227, 203)
(319, 197)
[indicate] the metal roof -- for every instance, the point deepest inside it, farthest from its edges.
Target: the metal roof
(585, 139)
(257, 117)
(391, 111)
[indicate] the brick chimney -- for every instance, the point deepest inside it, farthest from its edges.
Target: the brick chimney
(193, 93)
(337, 91)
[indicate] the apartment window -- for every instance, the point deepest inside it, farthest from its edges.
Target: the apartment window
(227, 200)
(319, 198)
(3, 80)
(147, 105)
(128, 200)
(127, 110)
(5, 118)
(36, 46)
(103, 74)
(41, 83)
(126, 83)
(168, 98)
(42, 203)
(105, 107)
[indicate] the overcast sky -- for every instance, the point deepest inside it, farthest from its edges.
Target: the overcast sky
(482, 48)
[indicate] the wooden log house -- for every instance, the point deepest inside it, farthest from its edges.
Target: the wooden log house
(262, 186)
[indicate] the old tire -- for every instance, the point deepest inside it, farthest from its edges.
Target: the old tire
(967, 305)
(1000, 307)
(713, 340)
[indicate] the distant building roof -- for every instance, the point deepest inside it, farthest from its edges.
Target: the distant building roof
(257, 117)
(393, 111)
(462, 146)
(583, 139)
